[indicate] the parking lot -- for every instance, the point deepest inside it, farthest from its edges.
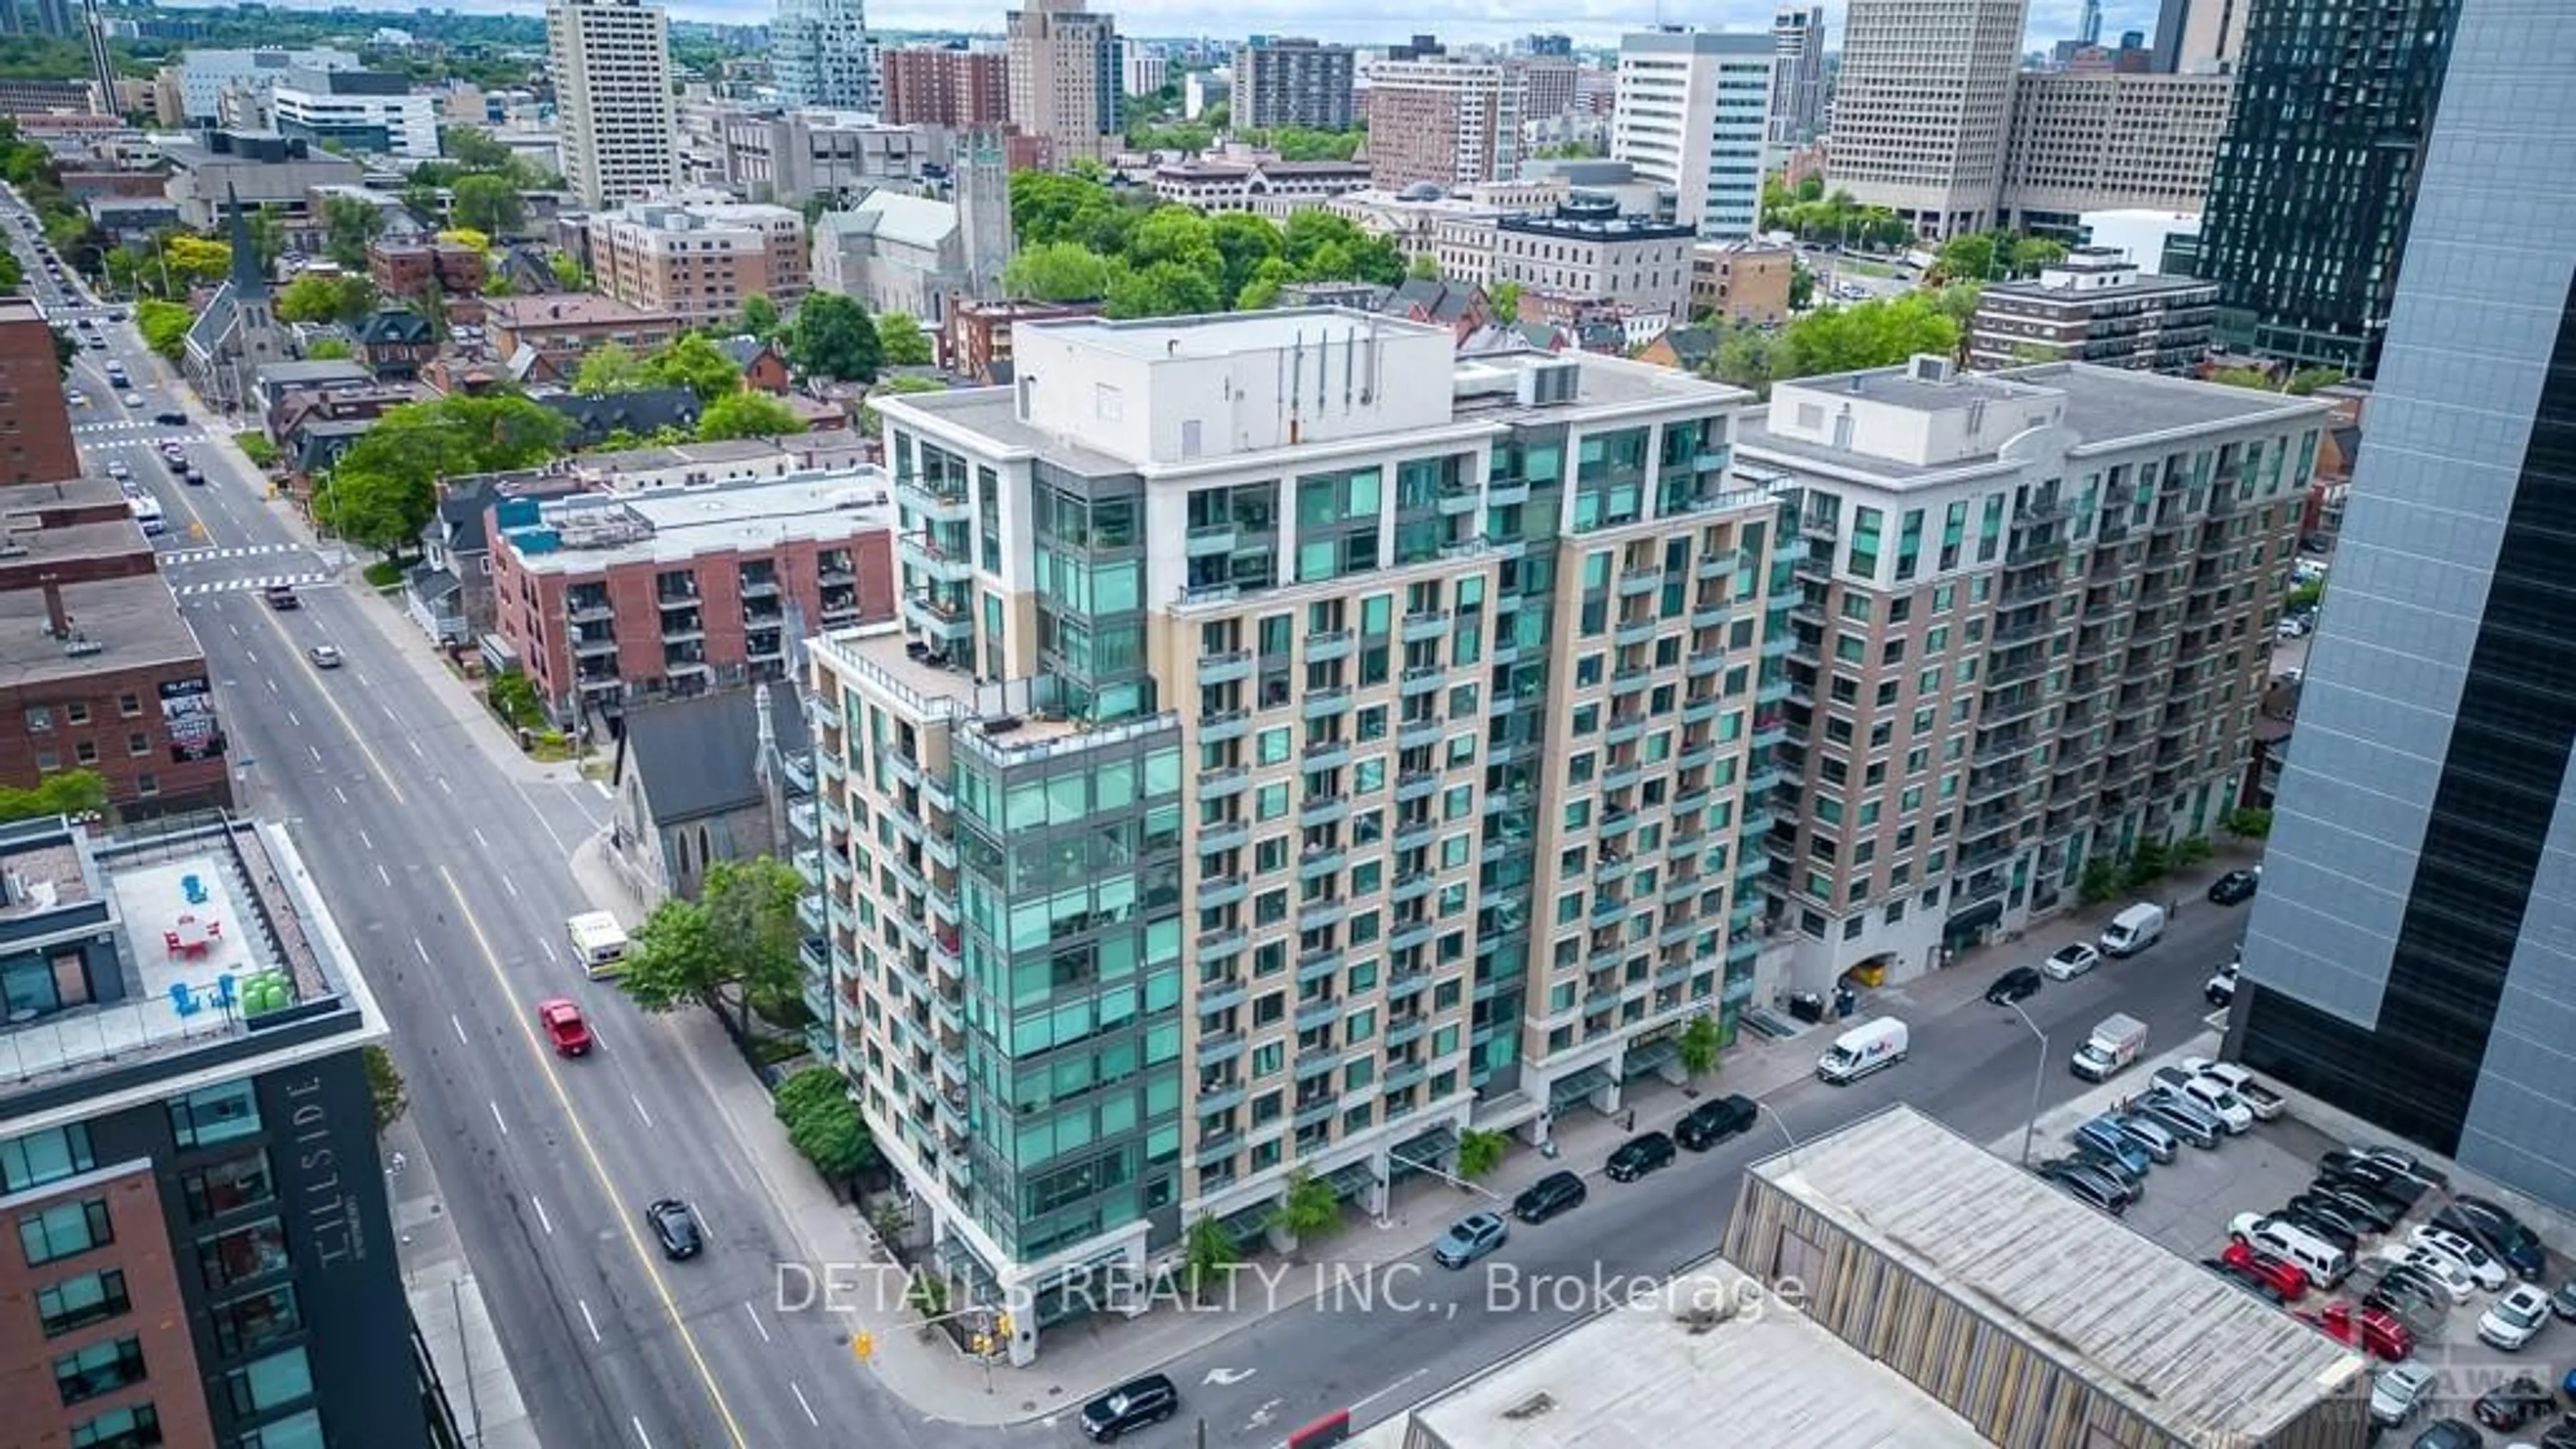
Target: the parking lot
(2187, 1206)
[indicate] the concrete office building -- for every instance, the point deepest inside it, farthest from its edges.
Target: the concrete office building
(940, 86)
(2107, 141)
(1998, 1278)
(609, 598)
(35, 424)
(795, 156)
(188, 1154)
(2310, 202)
(1693, 112)
(698, 261)
(1288, 82)
(611, 61)
(1797, 76)
(2410, 954)
(2200, 37)
(193, 90)
(361, 110)
(1922, 102)
(2036, 621)
(2097, 307)
(1549, 84)
(1581, 254)
(1443, 121)
(1143, 71)
(1332, 744)
(822, 56)
(1063, 77)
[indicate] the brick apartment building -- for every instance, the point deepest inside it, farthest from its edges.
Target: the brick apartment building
(933, 86)
(561, 328)
(99, 671)
(35, 426)
(608, 599)
(410, 269)
(698, 261)
(976, 342)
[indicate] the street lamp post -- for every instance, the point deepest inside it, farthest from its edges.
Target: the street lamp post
(1782, 1123)
(2038, 1077)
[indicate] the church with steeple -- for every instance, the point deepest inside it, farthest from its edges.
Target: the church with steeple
(238, 333)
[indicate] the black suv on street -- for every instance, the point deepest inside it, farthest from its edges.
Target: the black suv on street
(1550, 1195)
(1640, 1155)
(1712, 1122)
(1131, 1405)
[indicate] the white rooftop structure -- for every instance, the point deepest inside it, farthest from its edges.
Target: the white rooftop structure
(589, 532)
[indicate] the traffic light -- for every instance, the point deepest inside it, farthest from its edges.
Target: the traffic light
(863, 1345)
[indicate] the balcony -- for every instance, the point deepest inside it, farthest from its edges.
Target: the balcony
(1223, 781)
(1222, 994)
(1317, 1014)
(930, 561)
(1416, 785)
(1326, 754)
(939, 502)
(1225, 834)
(594, 646)
(1421, 679)
(1225, 724)
(1323, 809)
(1458, 498)
(1225, 668)
(1330, 700)
(1223, 890)
(588, 608)
(1640, 581)
(1217, 1047)
(936, 618)
(1317, 860)
(1330, 645)
(1424, 626)
(1417, 732)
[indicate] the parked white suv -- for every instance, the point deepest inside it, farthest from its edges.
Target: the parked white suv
(2480, 1264)
(2226, 1106)
(2516, 1317)
(2454, 1280)
(2399, 1391)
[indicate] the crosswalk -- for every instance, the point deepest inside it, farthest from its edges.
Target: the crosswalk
(235, 586)
(135, 427)
(205, 555)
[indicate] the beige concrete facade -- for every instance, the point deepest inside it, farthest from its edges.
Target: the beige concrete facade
(1062, 73)
(1444, 121)
(698, 261)
(611, 64)
(2112, 142)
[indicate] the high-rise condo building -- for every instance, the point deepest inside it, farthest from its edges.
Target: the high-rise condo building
(1797, 75)
(2036, 616)
(1288, 82)
(1693, 111)
(200, 1247)
(1444, 121)
(946, 87)
(2409, 956)
(2311, 202)
(822, 56)
(1063, 75)
(1921, 106)
(2198, 37)
(612, 71)
(1301, 746)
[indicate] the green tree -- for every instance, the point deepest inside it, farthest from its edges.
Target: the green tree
(316, 297)
(473, 149)
(835, 338)
(672, 959)
(2306, 596)
(1744, 358)
(66, 792)
(2032, 255)
(2253, 377)
(383, 490)
(2249, 822)
(570, 276)
(1802, 286)
(1209, 1256)
(611, 367)
(751, 908)
(1969, 256)
(164, 326)
(1866, 334)
(1480, 1151)
(197, 261)
(348, 224)
(693, 361)
(2152, 861)
(385, 1094)
(12, 276)
(1165, 289)
(1309, 1209)
(2193, 849)
(901, 341)
(1295, 143)
(747, 415)
(1247, 244)
(823, 1125)
(1057, 272)
(67, 348)
(760, 316)
(1424, 268)
(1698, 1046)
(1506, 302)
(267, 235)
(2308, 379)
(2101, 881)
(489, 204)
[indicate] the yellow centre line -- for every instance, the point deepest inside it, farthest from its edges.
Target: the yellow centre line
(590, 1154)
(322, 687)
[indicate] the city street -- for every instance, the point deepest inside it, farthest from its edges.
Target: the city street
(447, 860)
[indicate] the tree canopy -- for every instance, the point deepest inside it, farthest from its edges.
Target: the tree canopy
(383, 490)
(1082, 241)
(66, 792)
(1996, 255)
(1808, 212)
(489, 204)
(318, 297)
(747, 415)
(691, 360)
(348, 224)
(901, 341)
(835, 338)
(164, 326)
(739, 935)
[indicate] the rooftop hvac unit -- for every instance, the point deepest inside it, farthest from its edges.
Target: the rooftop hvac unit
(1552, 381)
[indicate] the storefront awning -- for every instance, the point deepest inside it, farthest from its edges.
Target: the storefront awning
(1577, 1087)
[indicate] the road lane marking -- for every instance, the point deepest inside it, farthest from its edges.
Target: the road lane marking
(299, 724)
(511, 886)
(414, 742)
(443, 787)
(604, 792)
(1359, 1404)
(546, 1068)
(331, 702)
(271, 682)
(800, 1403)
(479, 840)
(461, 1038)
(388, 712)
(496, 1116)
(315, 751)
(420, 950)
(639, 1109)
(380, 875)
(756, 1326)
(586, 1320)
(251, 654)
(539, 1204)
(343, 794)
(551, 958)
(367, 841)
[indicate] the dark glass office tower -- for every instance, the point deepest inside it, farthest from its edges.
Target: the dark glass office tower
(2414, 948)
(2317, 175)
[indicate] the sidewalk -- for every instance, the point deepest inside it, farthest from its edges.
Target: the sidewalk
(1081, 1358)
(447, 1304)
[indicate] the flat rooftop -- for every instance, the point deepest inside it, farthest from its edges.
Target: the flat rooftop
(2207, 1362)
(681, 455)
(2145, 284)
(1229, 334)
(1675, 1372)
(596, 531)
(882, 655)
(207, 916)
(134, 621)
(566, 309)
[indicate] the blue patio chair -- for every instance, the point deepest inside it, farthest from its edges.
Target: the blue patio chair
(183, 999)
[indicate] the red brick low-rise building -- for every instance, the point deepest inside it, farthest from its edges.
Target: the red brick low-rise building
(606, 599)
(411, 269)
(562, 328)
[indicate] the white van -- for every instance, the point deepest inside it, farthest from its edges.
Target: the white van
(1862, 1050)
(147, 514)
(2325, 1262)
(2133, 930)
(598, 943)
